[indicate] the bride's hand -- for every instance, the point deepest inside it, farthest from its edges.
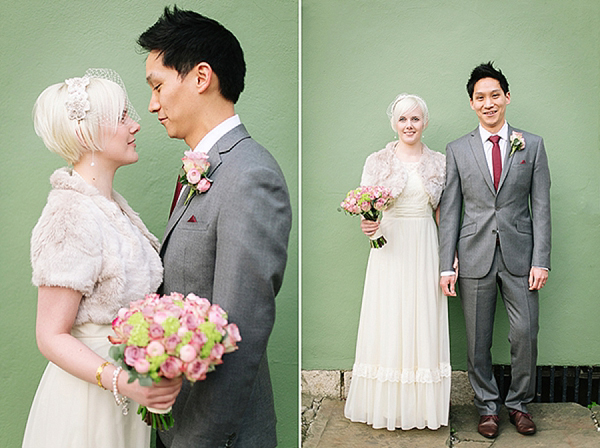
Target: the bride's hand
(369, 227)
(160, 395)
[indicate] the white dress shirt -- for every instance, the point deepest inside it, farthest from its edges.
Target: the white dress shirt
(213, 136)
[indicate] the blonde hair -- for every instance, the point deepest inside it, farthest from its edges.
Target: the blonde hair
(405, 103)
(70, 138)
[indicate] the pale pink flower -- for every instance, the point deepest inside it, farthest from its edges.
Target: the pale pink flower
(217, 353)
(187, 353)
(160, 316)
(190, 321)
(203, 185)
(188, 164)
(171, 343)
(133, 353)
(148, 311)
(193, 176)
(233, 337)
(141, 365)
(198, 340)
(196, 370)
(156, 331)
(173, 296)
(155, 348)
(171, 368)
(365, 206)
(215, 315)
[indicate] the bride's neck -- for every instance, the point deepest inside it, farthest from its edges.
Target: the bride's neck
(408, 153)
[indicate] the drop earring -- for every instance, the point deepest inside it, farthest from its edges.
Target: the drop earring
(93, 164)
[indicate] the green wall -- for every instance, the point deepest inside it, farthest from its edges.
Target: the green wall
(42, 43)
(357, 55)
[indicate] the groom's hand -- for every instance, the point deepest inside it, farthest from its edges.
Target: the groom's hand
(537, 278)
(447, 283)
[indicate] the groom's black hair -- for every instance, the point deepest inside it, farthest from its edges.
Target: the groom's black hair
(486, 70)
(186, 38)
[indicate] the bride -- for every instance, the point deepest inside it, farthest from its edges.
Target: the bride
(401, 372)
(91, 255)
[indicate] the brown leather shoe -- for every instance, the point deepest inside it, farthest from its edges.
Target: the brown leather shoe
(523, 422)
(488, 426)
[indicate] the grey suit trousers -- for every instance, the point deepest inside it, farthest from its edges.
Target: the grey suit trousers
(478, 297)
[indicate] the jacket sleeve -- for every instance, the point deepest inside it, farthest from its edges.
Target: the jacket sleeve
(450, 213)
(540, 209)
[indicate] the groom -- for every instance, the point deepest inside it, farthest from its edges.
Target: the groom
(229, 243)
(498, 177)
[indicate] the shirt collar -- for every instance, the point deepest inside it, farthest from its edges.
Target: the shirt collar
(485, 134)
(216, 133)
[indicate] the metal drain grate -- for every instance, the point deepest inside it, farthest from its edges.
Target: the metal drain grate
(578, 384)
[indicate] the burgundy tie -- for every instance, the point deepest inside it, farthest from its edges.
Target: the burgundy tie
(496, 159)
(175, 196)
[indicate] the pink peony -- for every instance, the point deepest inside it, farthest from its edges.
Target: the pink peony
(196, 370)
(133, 353)
(141, 365)
(217, 353)
(156, 331)
(233, 337)
(198, 341)
(160, 317)
(171, 368)
(148, 311)
(215, 315)
(365, 206)
(190, 321)
(171, 343)
(155, 348)
(187, 353)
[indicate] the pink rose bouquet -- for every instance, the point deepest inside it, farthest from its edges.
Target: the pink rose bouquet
(368, 202)
(193, 173)
(169, 336)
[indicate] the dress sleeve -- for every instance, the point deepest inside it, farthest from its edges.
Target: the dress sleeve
(438, 179)
(66, 245)
(370, 175)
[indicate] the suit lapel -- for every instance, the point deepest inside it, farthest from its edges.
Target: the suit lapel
(479, 156)
(223, 145)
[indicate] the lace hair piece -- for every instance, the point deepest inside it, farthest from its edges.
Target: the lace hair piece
(77, 99)
(111, 75)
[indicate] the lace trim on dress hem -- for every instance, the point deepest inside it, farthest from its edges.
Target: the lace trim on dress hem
(401, 375)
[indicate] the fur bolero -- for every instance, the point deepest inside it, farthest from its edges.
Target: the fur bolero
(86, 242)
(384, 168)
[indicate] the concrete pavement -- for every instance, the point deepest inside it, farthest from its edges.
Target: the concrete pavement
(560, 425)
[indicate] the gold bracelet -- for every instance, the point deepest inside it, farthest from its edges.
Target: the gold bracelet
(99, 372)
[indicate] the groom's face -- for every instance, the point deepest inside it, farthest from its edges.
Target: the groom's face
(172, 97)
(489, 103)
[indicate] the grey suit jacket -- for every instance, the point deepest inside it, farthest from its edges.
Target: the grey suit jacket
(234, 254)
(473, 214)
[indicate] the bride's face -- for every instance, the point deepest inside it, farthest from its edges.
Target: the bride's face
(410, 126)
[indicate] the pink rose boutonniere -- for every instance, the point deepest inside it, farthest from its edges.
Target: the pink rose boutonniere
(193, 173)
(517, 142)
